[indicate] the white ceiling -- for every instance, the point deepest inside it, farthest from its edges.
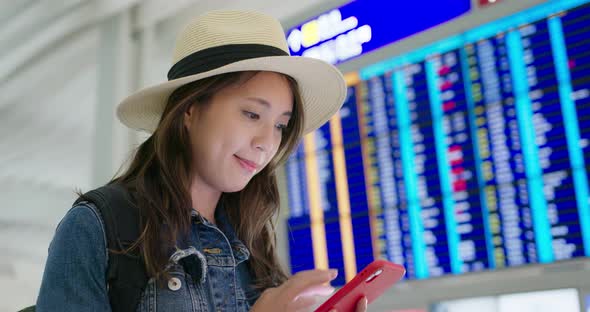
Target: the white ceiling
(49, 55)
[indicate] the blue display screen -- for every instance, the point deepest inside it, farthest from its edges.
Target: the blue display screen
(362, 26)
(470, 154)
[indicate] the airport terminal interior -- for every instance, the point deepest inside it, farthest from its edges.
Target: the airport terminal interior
(461, 152)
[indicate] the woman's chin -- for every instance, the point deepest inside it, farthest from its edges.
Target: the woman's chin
(235, 187)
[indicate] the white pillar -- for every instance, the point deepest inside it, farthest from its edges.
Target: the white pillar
(113, 141)
(145, 60)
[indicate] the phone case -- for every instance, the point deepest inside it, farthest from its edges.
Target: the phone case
(371, 282)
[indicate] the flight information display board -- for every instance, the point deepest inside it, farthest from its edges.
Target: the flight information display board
(470, 154)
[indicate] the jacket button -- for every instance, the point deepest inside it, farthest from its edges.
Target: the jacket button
(174, 284)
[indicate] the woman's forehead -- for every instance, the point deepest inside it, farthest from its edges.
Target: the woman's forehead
(267, 89)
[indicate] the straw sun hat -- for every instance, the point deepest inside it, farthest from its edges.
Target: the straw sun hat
(230, 41)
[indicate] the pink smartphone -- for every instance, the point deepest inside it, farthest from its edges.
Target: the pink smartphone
(371, 282)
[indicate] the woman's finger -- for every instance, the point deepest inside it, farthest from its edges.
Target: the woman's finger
(361, 305)
(301, 303)
(301, 281)
(317, 290)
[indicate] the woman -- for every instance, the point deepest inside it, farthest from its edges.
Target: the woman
(204, 182)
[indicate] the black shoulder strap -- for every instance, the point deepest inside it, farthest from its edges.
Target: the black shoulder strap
(126, 274)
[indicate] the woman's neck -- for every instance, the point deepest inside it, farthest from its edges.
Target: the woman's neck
(204, 200)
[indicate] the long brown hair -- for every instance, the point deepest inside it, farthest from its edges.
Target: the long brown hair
(159, 178)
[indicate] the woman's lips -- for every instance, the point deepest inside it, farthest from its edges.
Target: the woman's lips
(247, 164)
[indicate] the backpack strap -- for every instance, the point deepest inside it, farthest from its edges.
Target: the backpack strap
(126, 274)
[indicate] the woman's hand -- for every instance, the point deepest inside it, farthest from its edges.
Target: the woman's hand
(297, 293)
(361, 306)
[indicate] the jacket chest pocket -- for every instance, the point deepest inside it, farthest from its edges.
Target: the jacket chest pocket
(229, 283)
(242, 300)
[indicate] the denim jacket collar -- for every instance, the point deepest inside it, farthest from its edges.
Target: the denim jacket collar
(241, 252)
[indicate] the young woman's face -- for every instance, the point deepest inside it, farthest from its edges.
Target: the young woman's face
(239, 131)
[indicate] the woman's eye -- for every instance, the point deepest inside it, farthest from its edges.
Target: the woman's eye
(281, 127)
(251, 115)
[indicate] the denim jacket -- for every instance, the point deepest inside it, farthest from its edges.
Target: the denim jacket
(75, 273)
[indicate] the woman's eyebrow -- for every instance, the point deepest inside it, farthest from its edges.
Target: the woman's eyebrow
(265, 103)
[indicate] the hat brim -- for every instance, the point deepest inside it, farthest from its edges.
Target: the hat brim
(322, 88)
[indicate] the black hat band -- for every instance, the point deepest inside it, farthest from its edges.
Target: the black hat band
(215, 57)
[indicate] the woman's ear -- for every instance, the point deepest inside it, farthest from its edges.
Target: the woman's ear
(189, 116)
